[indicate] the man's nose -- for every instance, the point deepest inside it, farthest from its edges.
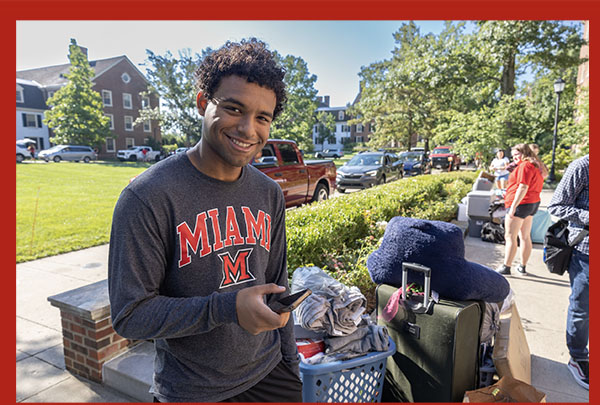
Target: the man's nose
(246, 125)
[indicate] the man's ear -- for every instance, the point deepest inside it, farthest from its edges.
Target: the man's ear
(201, 102)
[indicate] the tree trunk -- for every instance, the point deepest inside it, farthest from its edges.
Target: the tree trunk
(508, 75)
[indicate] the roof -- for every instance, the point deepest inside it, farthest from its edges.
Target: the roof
(54, 75)
(332, 108)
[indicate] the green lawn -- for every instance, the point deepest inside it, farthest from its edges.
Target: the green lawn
(74, 203)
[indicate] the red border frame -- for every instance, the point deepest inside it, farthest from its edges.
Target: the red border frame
(11, 11)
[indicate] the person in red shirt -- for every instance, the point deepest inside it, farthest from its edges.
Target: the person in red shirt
(522, 200)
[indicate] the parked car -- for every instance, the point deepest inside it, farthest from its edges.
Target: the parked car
(415, 162)
(302, 181)
(134, 153)
(22, 151)
(73, 153)
(329, 153)
(443, 157)
(368, 169)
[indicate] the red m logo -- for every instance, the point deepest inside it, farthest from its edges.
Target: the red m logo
(236, 271)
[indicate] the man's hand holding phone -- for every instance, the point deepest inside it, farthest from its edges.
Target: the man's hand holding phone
(289, 302)
(253, 315)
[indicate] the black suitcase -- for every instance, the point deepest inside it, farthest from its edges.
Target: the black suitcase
(437, 345)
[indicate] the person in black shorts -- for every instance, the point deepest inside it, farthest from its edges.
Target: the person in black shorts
(521, 200)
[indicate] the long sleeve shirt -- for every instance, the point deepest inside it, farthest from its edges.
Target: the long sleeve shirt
(571, 200)
(182, 245)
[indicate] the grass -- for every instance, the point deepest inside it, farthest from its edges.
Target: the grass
(72, 204)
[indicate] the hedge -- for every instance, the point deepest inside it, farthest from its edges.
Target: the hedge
(339, 234)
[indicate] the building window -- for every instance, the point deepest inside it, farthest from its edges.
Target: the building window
(128, 123)
(129, 142)
(112, 120)
(125, 77)
(32, 120)
(107, 98)
(20, 96)
(345, 128)
(359, 139)
(145, 102)
(147, 127)
(110, 144)
(340, 115)
(359, 128)
(127, 101)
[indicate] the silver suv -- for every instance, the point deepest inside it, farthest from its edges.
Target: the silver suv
(329, 153)
(68, 152)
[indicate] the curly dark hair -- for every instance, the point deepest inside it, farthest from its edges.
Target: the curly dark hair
(249, 59)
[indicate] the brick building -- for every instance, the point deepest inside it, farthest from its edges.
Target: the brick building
(119, 83)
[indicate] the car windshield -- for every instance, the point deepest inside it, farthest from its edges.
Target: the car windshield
(54, 148)
(365, 160)
(441, 150)
(410, 156)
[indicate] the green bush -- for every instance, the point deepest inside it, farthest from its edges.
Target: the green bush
(339, 234)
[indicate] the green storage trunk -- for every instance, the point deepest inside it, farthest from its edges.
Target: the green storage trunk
(437, 352)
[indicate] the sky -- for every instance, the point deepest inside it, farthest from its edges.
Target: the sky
(334, 51)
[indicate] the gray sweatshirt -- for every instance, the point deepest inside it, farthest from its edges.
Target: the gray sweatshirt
(182, 245)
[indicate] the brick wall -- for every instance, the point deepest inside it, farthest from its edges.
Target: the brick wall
(89, 339)
(89, 344)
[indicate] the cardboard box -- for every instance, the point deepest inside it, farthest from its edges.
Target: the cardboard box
(507, 389)
(511, 352)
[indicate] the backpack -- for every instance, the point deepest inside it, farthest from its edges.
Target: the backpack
(492, 232)
(557, 249)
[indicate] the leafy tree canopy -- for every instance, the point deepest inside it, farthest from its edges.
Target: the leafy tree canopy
(461, 87)
(76, 114)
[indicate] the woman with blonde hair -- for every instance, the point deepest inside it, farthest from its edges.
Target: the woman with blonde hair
(521, 200)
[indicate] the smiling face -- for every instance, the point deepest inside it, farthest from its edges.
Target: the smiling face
(237, 121)
(516, 155)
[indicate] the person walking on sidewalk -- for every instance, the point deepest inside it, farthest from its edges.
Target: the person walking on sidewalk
(498, 166)
(571, 201)
(521, 200)
(198, 247)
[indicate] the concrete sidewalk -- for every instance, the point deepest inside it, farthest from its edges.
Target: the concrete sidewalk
(542, 300)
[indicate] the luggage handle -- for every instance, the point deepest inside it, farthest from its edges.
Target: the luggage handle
(421, 308)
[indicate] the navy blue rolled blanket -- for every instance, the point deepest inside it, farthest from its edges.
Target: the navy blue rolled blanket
(440, 246)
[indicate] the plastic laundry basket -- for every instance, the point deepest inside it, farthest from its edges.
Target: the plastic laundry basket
(355, 380)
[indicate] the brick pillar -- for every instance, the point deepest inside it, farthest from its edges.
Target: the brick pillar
(89, 339)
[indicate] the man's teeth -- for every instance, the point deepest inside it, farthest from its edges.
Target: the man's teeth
(242, 144)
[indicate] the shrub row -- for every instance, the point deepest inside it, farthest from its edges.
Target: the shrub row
(339, 234)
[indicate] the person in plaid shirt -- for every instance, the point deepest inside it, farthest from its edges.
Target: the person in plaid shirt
(571, 202)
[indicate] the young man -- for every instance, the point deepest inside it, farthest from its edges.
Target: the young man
(571, 201)
(198, 245)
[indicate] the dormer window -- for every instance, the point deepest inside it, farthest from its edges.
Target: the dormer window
(20, 95)
(340, 115)
(126, 78)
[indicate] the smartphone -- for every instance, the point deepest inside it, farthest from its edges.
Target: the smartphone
(289, 302)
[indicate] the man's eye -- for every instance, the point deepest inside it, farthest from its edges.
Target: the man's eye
(232, 109)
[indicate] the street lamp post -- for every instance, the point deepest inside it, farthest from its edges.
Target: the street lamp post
(559, 86)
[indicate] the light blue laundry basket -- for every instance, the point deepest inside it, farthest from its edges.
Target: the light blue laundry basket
(356, 380)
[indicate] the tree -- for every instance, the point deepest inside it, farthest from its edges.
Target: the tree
(325, 128)
(297, 119)
(517, 45)
(76, 114)
(173, 80)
